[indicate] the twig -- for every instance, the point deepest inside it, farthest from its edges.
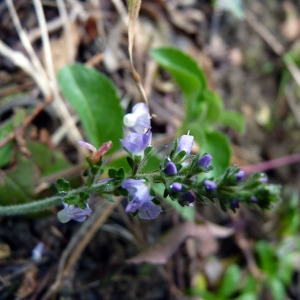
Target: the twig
(20, 60)
(20, 129)
(264, 33)
(67, 30)
(25, 40)
(120, 7)
(243, 244)
(275, 45)
(60, 106)
(52, 26)
(272, 164)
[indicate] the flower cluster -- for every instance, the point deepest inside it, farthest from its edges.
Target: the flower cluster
(186, 177)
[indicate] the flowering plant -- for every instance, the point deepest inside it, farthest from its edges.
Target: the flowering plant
(186, 177)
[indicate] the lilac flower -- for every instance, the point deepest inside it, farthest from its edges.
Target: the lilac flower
(136, 143)
(139, 120)
(141, 199)
(239, 176)
(37, 252)
(185, 143)
(149, 211)
(209, 185)
(263, 178)
(72, 212)
(176, 187)
(188, 197)
(205, 161)
(170, 168)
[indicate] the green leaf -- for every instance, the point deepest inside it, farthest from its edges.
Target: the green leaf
(72, 199)
(247, 296)
(233, 119)
(182, 67)
(17, 184)
(6, 152)
(217, 145)
(48, 161)
(277, 288)
(214, 107)
(184, 70)
(94, 98)
(268, 261)
(230, 282)
(62, 186)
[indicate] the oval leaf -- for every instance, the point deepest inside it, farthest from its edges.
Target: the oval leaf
(182, 67)
(217, 145)
(94, 98)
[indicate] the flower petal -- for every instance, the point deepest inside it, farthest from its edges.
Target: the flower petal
(149, 211)
(87, 145)
(185, 143)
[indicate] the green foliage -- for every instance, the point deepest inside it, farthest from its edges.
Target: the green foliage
(94, 98)
(204, 110)
(6, 151)
(186, 212)
(17, 184)
(218, 146)
(62, 186)
(230, 282)
(48, 161)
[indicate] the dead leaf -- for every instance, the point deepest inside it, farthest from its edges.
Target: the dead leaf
(64, 49)
(165, 247)
(28, 284)
(4, 251)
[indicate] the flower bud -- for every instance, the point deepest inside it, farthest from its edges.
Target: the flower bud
(176, 187)
(234, 203)
(239, 176)
(170, 169)
(263, 178)
(188, 197)
(205, 161)
(185, 143)
(209, 185)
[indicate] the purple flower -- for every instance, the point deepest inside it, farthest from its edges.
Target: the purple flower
(37, 252)
(234, 203)
(176, 187)
(136, 143)
(263, 178)
(188, 197)
(239, 176)
(205, 161)
(170, 168)
(209, 185)
(185, 143)
(253, 199)
(149, 211)
(141, 199)
(72, 212)
(139, 120)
